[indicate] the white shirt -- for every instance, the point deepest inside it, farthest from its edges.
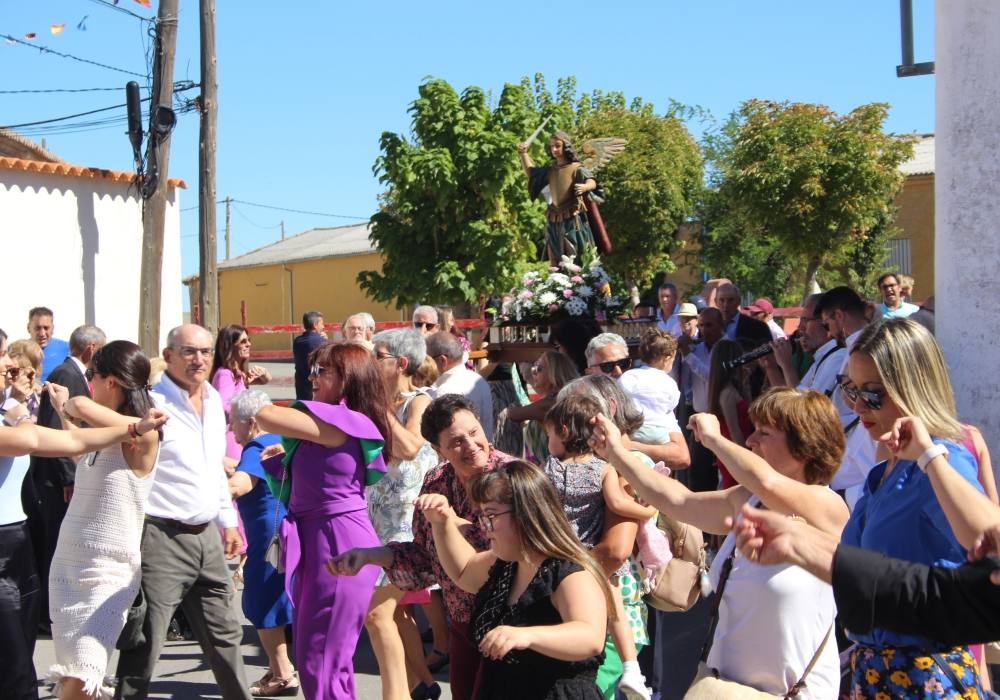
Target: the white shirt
(462, 380)
(190, 483)
(12, 473)
(656, 393)
(698, 361)
(859, 453)
(828, 362)
(671, 325)
(776, 330)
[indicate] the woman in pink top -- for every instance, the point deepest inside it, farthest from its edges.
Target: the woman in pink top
(231, 374)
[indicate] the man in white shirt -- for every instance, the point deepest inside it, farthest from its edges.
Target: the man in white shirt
(703, 476)
(843, 312)
(183, 560)
(455, 378)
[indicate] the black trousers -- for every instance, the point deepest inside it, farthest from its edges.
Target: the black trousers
(19, 599)
(45, 506)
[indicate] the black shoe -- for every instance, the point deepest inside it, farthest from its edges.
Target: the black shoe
(426, 692)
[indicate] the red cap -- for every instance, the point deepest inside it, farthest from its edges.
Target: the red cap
(761, 304)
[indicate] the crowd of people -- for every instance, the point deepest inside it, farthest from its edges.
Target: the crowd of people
(851, 517)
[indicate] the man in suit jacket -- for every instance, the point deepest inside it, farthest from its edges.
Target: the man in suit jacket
(47, 491)
(302, 346)
(739, 325)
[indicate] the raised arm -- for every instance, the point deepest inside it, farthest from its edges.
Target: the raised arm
(302, 425)
(969, 512)
(69, 443)
(465, 566)
(526, 164)
(674, 454)
(406, 439)
(86, 410)
(17, 433)
(535, 410)
(705, 510)
(820, 506)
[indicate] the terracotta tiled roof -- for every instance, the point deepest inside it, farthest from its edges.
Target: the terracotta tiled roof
(37, 166)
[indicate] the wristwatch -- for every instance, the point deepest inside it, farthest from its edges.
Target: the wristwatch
(929, 454)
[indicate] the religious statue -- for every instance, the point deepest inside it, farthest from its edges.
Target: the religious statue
(573, 219)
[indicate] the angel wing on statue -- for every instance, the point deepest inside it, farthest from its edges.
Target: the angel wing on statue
(573, 219)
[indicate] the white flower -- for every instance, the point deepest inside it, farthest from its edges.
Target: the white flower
(546, 298)
(584, 291)
(560, 279)
(576, 306)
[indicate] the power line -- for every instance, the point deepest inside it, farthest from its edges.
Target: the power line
(297, 211)
(114, 6)
(45, 49)
(38, 92)
(252, 222)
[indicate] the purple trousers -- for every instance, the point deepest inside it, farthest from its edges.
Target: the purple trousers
(329, 611)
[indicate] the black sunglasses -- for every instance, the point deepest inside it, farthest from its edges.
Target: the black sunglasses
(90, 374)
(871, 399)
(424, 324)
(608, 367)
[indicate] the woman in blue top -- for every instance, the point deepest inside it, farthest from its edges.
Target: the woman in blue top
(264, 600)
(899, 386)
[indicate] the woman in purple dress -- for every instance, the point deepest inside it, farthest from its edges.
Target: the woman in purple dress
(334, 448)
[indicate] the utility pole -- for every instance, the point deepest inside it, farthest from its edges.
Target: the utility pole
(207, 245)
(229, 201)
(282, 230)
(155, 206)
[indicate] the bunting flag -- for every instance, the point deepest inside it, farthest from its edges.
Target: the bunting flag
(82, 24)
(56, 29)
(144, 3)
(30, 36)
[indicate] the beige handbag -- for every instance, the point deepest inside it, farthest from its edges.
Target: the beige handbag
(708, 685)
(679, 583)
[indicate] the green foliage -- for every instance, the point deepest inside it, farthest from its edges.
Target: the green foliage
(455, 220)
(800, 194)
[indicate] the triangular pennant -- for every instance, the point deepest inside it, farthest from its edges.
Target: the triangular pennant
(144, 3)
(56, 29)
(82, 24)
(30, 36)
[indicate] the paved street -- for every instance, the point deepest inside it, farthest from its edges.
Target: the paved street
(183, 672)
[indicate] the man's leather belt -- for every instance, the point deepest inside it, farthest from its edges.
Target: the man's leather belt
(178, 525)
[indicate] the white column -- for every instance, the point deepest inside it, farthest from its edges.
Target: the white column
(967, 199)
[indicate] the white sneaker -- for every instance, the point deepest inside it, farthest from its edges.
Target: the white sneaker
(632, 685)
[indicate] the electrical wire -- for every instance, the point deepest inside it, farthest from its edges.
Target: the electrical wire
(254, 223)
(45, 49)
(297, 211)
(114, 6)
(50, 90)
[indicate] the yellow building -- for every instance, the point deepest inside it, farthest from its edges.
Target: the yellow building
(314, 270)
(912, 252)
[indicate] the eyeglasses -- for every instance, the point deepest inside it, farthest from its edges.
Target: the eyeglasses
(12, 373)
(190, 352)
(315, 371)
(535, 369)
(608, 367)
(486, 519)
(385, 356)
(871, 399)
(424, 324)
(889, 286)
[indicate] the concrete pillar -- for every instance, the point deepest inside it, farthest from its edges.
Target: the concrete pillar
(967, 198)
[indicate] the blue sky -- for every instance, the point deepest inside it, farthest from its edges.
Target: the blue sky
(306, 89)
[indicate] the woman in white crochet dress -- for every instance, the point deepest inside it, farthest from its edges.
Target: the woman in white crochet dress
(95, 573)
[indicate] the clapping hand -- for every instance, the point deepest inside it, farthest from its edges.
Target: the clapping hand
(704, 426)
(434, 507)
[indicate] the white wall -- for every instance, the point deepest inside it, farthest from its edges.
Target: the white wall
(74, 244)
(967, 203)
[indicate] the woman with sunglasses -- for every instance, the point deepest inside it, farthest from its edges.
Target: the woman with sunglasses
(232, 374)
(95, 573)
(792, 455)
(549, 373)
(27, 355)
(899, 386)
(336, 445)
(541, 605)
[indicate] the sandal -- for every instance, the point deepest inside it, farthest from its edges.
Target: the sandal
(440, 662)
(238, 579)
(269, 686)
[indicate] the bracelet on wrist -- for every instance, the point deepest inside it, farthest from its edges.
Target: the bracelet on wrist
(133, 431)
(929, 454)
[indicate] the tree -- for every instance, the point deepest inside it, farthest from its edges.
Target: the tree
(455, 221)
(799, 193)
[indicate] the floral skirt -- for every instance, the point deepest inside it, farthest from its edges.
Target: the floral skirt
(890, 672)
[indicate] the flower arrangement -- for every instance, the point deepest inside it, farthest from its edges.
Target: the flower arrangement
(568, 290)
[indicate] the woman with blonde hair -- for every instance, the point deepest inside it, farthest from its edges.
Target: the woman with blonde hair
(792, 455)
(27, 356)
(541, 600)
(898, 384)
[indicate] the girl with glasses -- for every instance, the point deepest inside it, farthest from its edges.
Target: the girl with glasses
(901, 391)
(541, 601)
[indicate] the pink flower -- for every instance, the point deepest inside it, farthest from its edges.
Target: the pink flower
(553, 308)
(567, 293)
(576, 279)
(553, 269)
(527, 294)
(528, 282)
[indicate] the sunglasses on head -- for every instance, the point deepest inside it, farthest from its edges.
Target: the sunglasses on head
(625, 364)
(871, 399)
